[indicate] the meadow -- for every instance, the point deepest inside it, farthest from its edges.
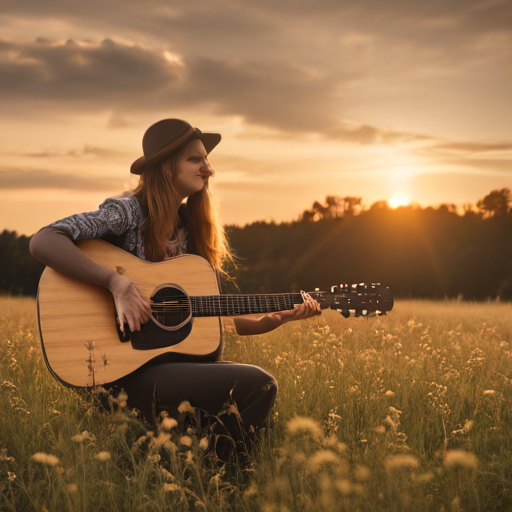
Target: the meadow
(411, 411)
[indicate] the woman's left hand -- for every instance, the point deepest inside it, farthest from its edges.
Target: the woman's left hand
(307, 309)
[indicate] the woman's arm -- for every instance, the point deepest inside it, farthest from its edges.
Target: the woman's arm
(260, 324)
(55, 249)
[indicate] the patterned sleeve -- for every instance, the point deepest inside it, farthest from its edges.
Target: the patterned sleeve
(114, 217)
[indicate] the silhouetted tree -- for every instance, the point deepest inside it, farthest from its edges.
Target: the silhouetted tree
(495, 203)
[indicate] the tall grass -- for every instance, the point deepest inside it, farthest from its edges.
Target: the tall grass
(412, 411)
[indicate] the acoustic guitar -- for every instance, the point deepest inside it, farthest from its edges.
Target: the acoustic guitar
(80, 336)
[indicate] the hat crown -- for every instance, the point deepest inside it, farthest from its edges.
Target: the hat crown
(164, 133)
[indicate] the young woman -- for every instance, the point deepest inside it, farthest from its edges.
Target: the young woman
(156, 223)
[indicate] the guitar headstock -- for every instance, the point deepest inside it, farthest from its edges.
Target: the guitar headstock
(361, 299)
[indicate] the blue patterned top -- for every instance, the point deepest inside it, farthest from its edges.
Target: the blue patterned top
(119, 222)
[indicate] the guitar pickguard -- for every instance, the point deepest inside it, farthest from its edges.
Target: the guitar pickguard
(152, 336)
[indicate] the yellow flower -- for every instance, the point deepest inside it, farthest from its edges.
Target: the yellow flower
(186, 441)
(45, 458)
(168, 423)
(103, 456)
(203, 444)
(460, 459)
(401, 461)
(186, 407)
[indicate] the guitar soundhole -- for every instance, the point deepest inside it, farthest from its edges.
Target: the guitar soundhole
(171, 306)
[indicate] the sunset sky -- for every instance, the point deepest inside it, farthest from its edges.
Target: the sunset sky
(397, 100)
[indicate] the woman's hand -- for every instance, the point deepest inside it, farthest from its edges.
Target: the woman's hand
(260, 324)
(307, 309)
(131, 307)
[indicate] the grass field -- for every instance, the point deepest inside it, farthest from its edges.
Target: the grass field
(412, 411)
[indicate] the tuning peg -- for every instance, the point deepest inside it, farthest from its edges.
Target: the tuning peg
(345, 313)
(381, 313)
(335, 289)
(360, 288)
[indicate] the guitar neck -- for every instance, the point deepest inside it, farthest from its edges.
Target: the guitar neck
(235, 305)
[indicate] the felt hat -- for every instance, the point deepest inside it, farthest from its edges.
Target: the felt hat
(166, 136)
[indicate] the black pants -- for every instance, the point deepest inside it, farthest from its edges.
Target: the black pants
(205, 385)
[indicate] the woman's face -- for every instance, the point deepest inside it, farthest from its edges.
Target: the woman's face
(193, 169)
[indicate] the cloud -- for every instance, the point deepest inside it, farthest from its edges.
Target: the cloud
(25, 179)
(475, 147)
(77, 153)
(110, 75)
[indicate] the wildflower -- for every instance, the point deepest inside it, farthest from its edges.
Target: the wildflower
(301, 424)
(322, 457)
(168, 423)
(91, 437)
(203, 444)
(186, 407)
(389, 393)
(361, 473)
(344, 486)
(103, 456)
(78, 438)
(186, 441)
(45, 458)
(425, 477)
(401, 461)
(166, 474)
(11, 476)
(122, 398)
(154, 459)
(460, 459)
(171, 487)
(72, 487)
(489, 392)
(380, 429)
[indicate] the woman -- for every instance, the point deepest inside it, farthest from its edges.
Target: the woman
(156, 223)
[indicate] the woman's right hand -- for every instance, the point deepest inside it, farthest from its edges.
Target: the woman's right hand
(131, 307)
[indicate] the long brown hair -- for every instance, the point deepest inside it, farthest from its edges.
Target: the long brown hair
(159, 202)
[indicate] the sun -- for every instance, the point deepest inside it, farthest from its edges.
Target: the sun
(395, 202)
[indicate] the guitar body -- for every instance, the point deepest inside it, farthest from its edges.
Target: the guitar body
(77, 320)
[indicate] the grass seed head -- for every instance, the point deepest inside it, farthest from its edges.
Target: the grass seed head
(45, 458)
(301, 424)
(460, 459)
(171, 487)
(400, 461)
(103, 456)
(78, 438)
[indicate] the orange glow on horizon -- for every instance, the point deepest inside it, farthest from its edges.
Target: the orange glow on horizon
(395, 202)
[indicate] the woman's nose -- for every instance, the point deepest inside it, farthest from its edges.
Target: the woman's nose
(206, 171)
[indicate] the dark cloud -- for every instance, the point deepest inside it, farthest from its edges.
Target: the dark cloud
(24, 179)
(132, 78)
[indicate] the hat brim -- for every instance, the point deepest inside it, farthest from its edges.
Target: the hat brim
(209, 140)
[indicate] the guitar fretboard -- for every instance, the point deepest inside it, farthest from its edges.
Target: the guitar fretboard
(233, 305)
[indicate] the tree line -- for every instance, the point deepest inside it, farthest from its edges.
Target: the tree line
(417, 252)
